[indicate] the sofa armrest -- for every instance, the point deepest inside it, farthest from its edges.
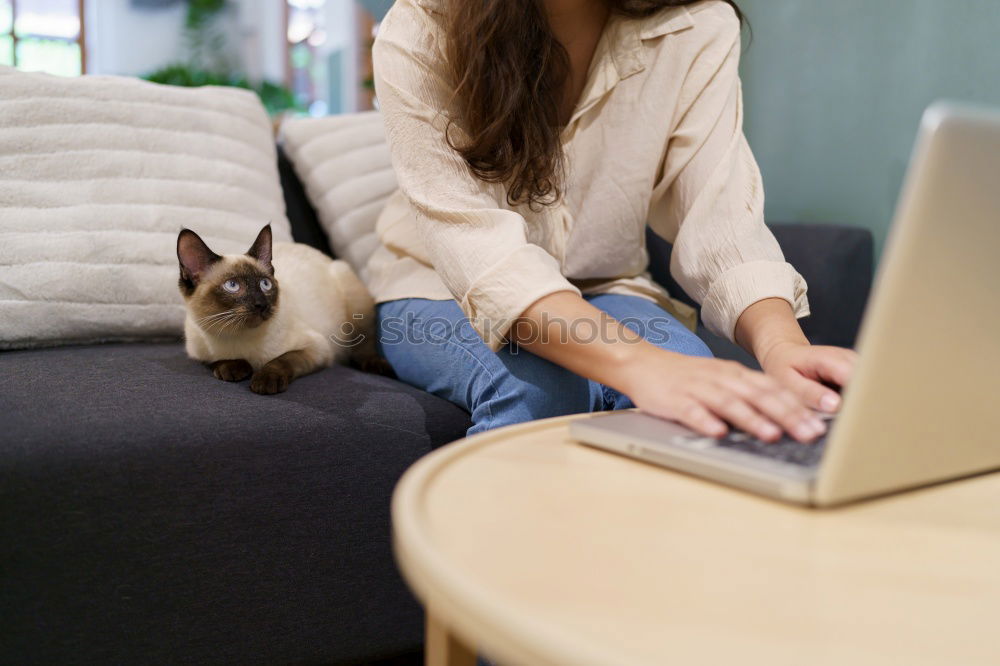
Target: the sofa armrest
(837, 263)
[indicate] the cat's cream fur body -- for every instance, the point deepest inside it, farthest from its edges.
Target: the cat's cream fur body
(321, 304)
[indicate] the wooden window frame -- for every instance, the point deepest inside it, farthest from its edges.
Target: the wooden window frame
(80, 41)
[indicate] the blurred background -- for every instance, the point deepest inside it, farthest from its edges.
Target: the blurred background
(304, 56)
(834, 90)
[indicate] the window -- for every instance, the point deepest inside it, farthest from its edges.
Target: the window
(6, 33)
(328, 54)
(306, 67)
(43, 35)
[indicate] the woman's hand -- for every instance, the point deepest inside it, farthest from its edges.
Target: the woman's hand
(704, 394)
(769, 331)
(804, 369)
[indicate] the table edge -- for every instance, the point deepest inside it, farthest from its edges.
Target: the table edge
(454, 599)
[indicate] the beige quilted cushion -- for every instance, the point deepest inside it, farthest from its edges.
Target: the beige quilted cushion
(97, 176)
(343, 162)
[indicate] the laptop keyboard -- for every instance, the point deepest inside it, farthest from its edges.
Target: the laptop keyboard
(785, 449)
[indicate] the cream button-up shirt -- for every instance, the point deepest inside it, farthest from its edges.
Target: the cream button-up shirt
(655, 138)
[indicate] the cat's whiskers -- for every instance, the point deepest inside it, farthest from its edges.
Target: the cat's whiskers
(219, 323)
(217, 315)
(212, 320)
(236, 321)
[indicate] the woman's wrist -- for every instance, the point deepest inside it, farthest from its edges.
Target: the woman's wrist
(637, 359)
(773, 350)
(766, 326)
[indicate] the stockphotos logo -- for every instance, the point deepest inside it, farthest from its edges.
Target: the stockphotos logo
(413, 330)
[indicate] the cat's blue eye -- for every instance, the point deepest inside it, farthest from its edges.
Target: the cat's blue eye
(232, 286)
(265, 284)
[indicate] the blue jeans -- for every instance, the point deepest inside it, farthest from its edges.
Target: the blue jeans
(432, 346)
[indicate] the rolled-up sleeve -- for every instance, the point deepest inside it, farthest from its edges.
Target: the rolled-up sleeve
(478, 247)
(712, 198)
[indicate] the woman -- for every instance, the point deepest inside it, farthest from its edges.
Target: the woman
(533, 141)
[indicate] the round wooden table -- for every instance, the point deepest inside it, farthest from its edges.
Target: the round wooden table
(537, 550)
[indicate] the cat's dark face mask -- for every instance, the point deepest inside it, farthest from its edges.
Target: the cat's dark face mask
(227, 294)
(251, 292)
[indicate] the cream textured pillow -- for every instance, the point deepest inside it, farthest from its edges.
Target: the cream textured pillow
(97, 176)
(344, 165)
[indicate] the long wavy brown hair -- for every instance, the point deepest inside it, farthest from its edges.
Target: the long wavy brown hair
(509, 72)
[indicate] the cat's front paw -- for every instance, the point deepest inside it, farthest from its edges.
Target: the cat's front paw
(270, 380)
(233, 370)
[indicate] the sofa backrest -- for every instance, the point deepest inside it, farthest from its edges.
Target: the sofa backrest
(343, 163)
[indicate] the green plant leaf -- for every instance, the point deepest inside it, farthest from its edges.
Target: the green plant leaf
(201, 11)
(275, 97)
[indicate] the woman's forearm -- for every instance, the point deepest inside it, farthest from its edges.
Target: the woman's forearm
(567, 330)
(570, 332)
(766, 324)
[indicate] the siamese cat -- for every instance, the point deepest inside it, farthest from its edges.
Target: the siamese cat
(272, 314)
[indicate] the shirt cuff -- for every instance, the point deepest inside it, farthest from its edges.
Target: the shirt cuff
(742, 286)
(501, 295)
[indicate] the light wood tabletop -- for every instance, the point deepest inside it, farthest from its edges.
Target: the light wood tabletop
(537, 550)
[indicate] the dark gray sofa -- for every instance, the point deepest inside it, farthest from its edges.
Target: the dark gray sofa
(152, 514)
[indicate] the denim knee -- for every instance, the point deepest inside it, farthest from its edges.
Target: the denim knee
(683, 341)
(525, 387)
(652, 322)
(432, 346)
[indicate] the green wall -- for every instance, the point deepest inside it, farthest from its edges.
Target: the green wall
(835, 89)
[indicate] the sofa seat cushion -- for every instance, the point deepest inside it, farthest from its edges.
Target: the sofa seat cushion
(217, 525)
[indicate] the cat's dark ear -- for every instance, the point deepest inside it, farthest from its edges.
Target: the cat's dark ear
(261, 248)
(195, 259)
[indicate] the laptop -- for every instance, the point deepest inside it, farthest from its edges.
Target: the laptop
(924, 404)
